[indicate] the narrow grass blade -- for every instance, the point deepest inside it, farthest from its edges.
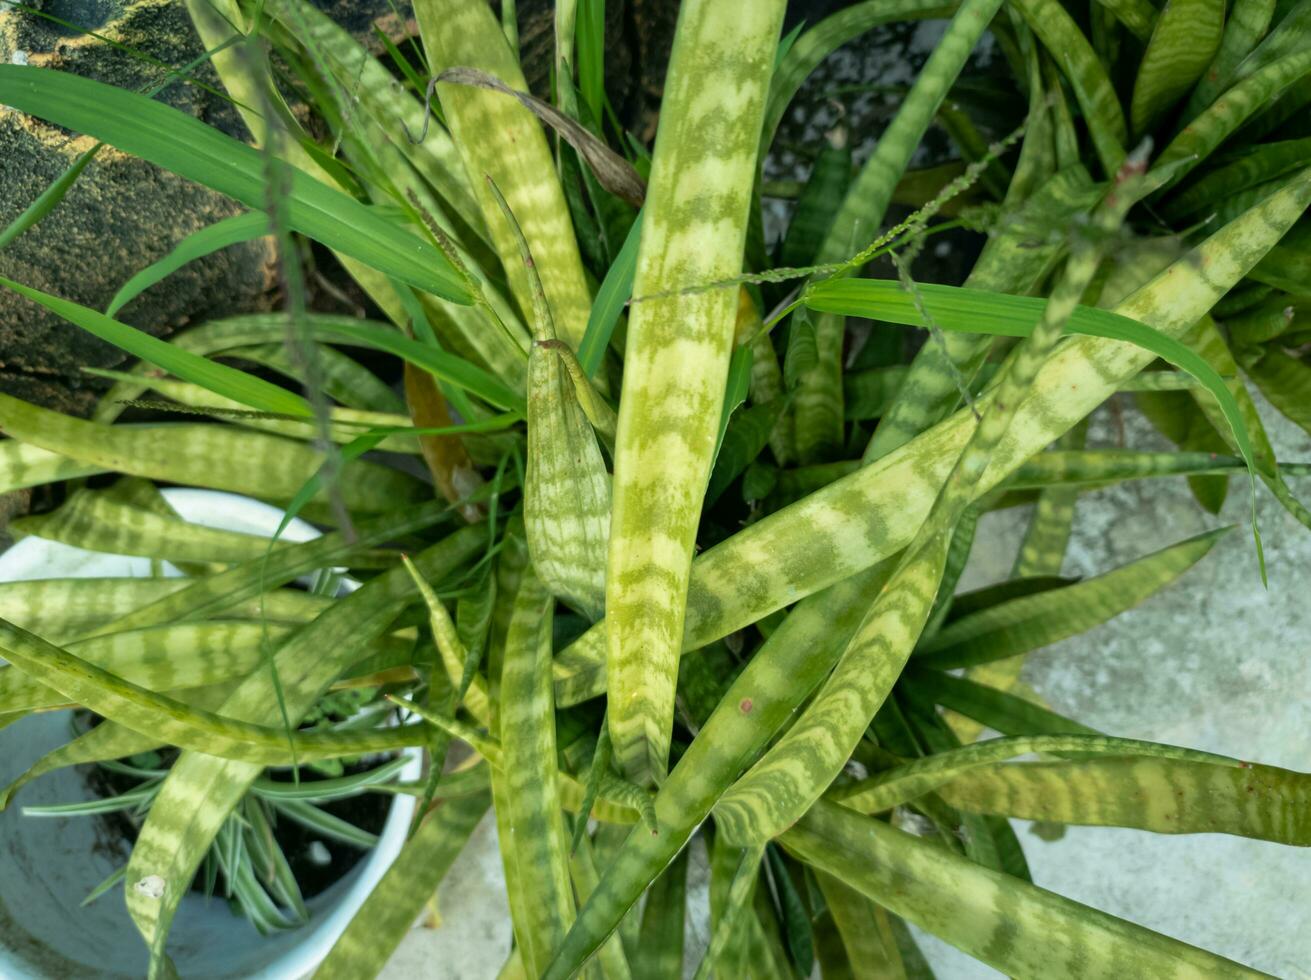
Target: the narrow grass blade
(175, 141)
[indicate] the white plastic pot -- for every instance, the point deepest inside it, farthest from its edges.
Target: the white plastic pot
(49, 865)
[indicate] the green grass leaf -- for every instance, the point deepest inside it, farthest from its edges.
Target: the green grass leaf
(182, 144)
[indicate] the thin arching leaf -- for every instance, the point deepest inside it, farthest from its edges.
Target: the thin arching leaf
(178, 142)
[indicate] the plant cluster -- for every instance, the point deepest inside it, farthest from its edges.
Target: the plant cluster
(685, 559)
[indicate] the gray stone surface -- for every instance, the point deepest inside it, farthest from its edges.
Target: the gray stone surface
(121, 215)
(1215, 662)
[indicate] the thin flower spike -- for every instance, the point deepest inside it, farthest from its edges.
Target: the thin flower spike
(676, 363)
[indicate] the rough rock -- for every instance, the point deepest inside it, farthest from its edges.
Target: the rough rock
(121, 215)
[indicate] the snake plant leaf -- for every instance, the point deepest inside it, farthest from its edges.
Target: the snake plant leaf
(178, 832)
(1061, 36)
(818, 42)
(378, 94)
(206, 241)
(860, 520)
(105, 742)
(1285, 381)
(95, 521)
(144, 711)
(566, 487)
(23, 465)
(499, 138)
(177, 142)
(679, 344)
(1096, 467)
(1200, 138)
(905, 782)
(613, 172)
(219, 378)
(161, 659)
(1160, 794)
(801, 765)
(963, 903)
(1031, 622)
(1244, 27)
(659, 954)
(214, 456)
(536, 851)
(64, 609)
(1183, 42)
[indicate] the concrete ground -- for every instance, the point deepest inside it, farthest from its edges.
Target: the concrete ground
(1215, 662)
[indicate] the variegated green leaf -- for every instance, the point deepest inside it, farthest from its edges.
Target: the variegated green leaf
(1204, 134)
(1245, 26)
(177, 833)
(567, 487)
(779, 788)
(23, 465)
(396, 901)
(536, 849)
(161, 659)
(1024, 931)
(64, 609)
(906, 782)
(1185, 39)
(861, 519)
(679, 341)
(497, 137)
(214, 456)
(1031, 622)
(1162, 795)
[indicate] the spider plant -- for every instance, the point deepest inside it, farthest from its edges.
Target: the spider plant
(666, 578)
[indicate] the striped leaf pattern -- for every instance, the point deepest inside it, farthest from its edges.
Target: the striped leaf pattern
(499, 138)
(1023, 931)
(1185, 39)
(178, 830)
(676, 360)
(538, 845)
(861, 519)
(1163, 795)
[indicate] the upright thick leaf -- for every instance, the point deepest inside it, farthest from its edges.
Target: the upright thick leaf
(183, 144)
(1185, 38)
(536, 851)
(679, 340)
(500, 139)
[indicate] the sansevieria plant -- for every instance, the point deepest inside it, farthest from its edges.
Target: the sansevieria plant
(656, 536)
